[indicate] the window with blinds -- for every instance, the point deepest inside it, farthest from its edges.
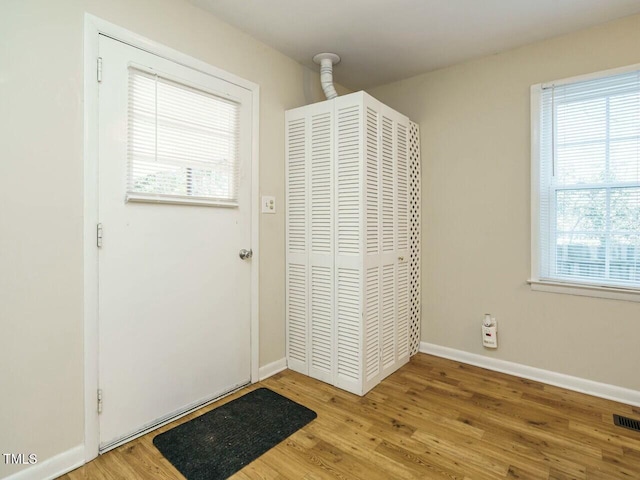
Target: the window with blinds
(589, 191)
(183, 143)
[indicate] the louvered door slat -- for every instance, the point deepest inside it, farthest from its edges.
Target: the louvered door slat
(321, 184)
(402, 188)
(388, 327)
(372, 182)
(297, 186)
(372, 323)
(321, 361)
(297, 316)
(349, 326)
(388, 201)
(348, 155)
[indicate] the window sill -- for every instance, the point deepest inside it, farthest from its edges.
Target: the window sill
(613, 293)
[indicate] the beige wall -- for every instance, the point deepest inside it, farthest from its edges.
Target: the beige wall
(41, 195)
(475, 135)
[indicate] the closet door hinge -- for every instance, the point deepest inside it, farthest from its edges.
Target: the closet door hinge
(99, 69)
(99, 235)
(99, 400)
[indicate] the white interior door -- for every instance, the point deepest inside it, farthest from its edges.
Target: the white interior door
(174, 296)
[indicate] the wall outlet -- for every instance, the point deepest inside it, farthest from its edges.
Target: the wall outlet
(268, 204)
(489, 332)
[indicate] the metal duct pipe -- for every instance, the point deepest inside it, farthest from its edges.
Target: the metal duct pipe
(326, 62)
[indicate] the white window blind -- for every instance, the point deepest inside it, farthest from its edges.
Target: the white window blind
(182, 143)
(589, 195)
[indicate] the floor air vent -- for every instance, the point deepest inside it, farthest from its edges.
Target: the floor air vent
(626, 422)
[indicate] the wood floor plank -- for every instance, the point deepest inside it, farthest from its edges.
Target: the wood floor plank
(433, 419)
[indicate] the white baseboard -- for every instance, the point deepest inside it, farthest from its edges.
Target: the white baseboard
(52, 467)
(597, 389)
(272, 368)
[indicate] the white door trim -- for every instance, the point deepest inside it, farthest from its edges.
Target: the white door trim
(93, 27)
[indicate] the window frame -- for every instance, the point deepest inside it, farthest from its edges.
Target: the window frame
(572, 287)
(177, 199)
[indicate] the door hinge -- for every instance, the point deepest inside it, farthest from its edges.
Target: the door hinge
(99, 235)
(99, 70)
(99, 400)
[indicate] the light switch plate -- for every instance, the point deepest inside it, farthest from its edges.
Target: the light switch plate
(268, 204)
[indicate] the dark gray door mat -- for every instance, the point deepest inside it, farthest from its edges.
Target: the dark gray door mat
(219, 443)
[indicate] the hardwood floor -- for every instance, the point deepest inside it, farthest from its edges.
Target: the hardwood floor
(433, 419)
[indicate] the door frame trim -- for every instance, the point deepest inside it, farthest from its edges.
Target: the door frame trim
(93, 28)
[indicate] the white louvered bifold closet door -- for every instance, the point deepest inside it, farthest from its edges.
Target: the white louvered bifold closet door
(297, 260)
(394, 234)
(372, 264)
(349, 243)
(349, 315)
(321, 291)
(310, 241)
(388, 233)
(372, 244)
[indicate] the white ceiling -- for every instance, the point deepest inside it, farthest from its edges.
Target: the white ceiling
(385, 40)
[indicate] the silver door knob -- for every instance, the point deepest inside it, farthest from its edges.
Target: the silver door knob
(244, 253)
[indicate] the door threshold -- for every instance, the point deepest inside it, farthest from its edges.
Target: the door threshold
(168, 419)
